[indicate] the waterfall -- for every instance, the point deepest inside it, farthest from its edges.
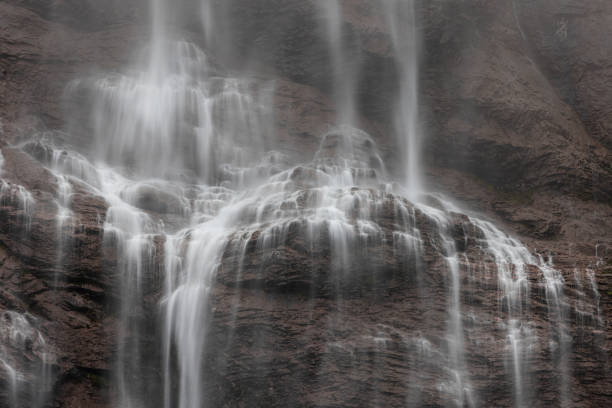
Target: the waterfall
(400, 16)
(26, 357)
(19, 196)
(401, 21)
(344, 66)
(511, 259)
(200, 203)
(458, 384)
(64, 217)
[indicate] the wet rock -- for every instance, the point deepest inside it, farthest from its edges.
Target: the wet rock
(150, 197)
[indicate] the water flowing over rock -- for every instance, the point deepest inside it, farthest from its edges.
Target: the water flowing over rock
(321, 203)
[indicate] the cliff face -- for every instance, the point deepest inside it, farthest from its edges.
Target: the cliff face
(514, 110)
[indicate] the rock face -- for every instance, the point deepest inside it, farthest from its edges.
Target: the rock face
(515, 97)
(64, 294)
(291, 336)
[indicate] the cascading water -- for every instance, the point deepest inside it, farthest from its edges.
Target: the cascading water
(30, 372)
(182, 154)
(14, 193)
(400, 17)
(343, 65)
